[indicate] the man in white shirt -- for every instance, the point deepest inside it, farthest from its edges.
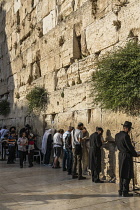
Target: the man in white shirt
(77, 136)
(3, 132)
(58, 143)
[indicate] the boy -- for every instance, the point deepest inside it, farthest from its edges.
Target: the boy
(11, 147)
(30, 149)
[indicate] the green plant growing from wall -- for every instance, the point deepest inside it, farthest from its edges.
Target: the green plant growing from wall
(117, 80)
(4, 107)
(37, 98)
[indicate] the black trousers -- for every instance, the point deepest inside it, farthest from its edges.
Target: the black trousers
(77, 163)
(30, 157)
(47, 156)
(70, 161)
(124, 185)
(11, 157)
(95, 175)
(22, 155)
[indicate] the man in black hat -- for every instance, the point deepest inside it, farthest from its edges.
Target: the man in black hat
(126, 154)
(26, 130)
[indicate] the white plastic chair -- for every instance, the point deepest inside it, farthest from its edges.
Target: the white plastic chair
(37, 155)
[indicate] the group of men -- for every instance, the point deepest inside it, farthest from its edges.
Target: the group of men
(72, 141)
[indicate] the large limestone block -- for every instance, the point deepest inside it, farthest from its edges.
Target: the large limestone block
(66, 8)
(49, 82)
(9, 21)
(62, 78)
(130, 20)
(44, 67)
(11, 84)
(49, 22)
(55, 104)
(86, 68)
(17, 5)
(75, 98)
(29, 56)
(22, 92)
(79, 3)
(101, 34)
(24, 75)
(38, 82)
(29, 6)
(16, 65)
(42, 9)
(36, 2)
(73, 74)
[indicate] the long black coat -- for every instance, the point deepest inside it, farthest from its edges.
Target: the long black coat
(126, 154)
(95, 152)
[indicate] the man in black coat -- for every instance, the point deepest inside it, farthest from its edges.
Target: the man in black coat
(95, 154)
(126, 154)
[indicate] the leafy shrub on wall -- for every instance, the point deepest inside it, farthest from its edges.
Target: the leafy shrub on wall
(117, 80)
(37, 98)
(4, 107)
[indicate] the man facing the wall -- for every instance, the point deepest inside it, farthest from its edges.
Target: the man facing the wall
(77, 136)
(126, 154)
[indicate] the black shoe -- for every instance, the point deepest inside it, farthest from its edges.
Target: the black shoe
(69, 173)
(64, 169)
(124, 194)
(21, 166)
(81, 178)
(99, 181)
(120, 193)
(74, 177)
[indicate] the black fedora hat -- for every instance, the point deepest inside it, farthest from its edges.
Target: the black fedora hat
(127, 124)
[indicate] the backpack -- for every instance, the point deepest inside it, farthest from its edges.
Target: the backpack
(68, 141)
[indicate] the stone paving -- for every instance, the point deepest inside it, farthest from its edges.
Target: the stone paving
(42, 187)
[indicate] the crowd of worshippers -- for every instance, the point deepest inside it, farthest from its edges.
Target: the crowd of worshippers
(18, 145)
(70, 144)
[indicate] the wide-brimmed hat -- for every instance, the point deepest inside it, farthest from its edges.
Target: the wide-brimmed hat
(127, 124)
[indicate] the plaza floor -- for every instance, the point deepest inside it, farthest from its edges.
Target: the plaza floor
(44, 188)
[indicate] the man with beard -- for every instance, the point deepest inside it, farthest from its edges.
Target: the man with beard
(95, 154)
(126, 154)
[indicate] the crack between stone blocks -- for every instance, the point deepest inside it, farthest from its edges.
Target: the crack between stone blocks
(78, 102)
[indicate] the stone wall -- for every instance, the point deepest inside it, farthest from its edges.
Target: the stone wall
(55, 44)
